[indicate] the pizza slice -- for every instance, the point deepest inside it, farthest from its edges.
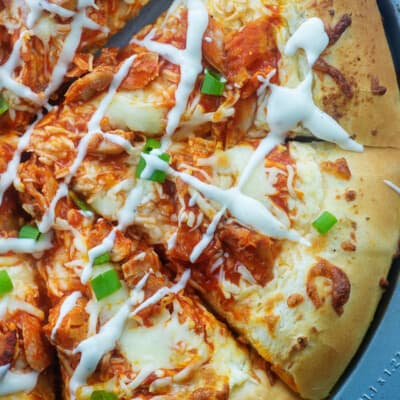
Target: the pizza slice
(132, 331)
(26, 358)
(190, 193)
(218, 75)
(45, 43)
(302, 287)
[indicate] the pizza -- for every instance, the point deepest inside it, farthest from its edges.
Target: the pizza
(46, 43)
(209, 212)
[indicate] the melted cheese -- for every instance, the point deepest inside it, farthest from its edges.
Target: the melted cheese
(166, 344)
(95, 347)
(93, 128)
(137, 111)
(189, 60)
(233, 15)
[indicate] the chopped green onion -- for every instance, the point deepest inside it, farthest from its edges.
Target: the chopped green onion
(103, 395)
(79, 202)
(157, 176)
(213, 83)
(151, 144)
(102, 259)
(140, 168)
(106, 284)
(6, 285)
(29, 232)
(3, 105)
(325, 222)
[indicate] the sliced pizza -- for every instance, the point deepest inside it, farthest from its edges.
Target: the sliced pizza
(306, 302)
(25, 353)
(220, 68)
(179, 141)
(131, 332)
(44, 43)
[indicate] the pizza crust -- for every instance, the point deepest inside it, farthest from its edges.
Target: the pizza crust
(310, 347)
(363, 57)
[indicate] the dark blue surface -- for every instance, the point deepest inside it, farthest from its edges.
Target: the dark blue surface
(374, 373)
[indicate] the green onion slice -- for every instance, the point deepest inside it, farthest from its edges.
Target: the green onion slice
(213, 83)
(157, 176)
(106, 284)
(6, 285)
(103, 395)
(102, 259)
(29, 232)
(151, 144)
(79, 202)
(3, 105)
(325, 222)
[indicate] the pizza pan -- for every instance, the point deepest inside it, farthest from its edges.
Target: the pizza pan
(374, 373)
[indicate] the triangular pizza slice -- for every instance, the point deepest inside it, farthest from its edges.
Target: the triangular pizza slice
(132, 331)
(45, 43)
(303, 303)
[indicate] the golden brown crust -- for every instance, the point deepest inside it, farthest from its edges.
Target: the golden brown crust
(314, 339)
(377, 233)
(362, 56)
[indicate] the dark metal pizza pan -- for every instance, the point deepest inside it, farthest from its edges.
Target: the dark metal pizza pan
(374, 373)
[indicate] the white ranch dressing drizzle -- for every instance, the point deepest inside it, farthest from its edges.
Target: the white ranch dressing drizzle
(95, 347)
(68, 51)
(71, 43)
(189, 60)
(20, 305)
(38, 6)
(93, 128)
(245, 209)
(393, 186)
(68, 304)
(286, 109)
(13, 382)
(7, 70)
(126, 217)
(289, 107)
(25, 245)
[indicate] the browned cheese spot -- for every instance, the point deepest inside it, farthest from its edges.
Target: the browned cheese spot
(295, 300)
(339, 168)
(350, 195)
(339, 78)
(337, 31)
(340, 283)
(376, 88)
(301, 344)
(348, 246)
